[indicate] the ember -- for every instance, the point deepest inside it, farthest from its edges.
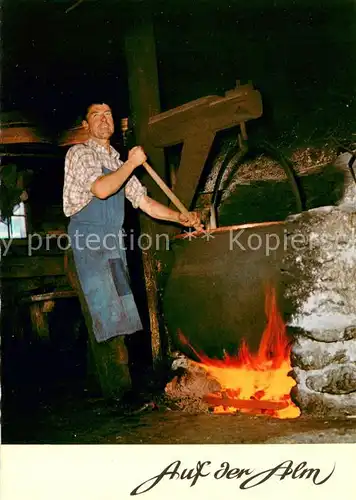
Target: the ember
(255, 383)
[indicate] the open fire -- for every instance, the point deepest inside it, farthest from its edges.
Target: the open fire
(255, 383)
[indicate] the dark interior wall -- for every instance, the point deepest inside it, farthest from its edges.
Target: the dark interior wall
(45, 196)
(55, 61)
(298, 54)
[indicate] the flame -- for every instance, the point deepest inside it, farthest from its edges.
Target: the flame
(258, 377)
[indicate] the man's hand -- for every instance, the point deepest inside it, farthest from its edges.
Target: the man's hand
(191, 219)
(136, 156)
(106, 185)
(155, 209)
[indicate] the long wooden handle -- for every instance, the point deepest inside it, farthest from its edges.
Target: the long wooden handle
(165, 189)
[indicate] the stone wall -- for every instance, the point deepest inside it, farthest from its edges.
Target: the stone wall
(320, 269)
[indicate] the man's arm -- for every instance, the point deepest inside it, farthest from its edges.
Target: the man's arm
(158, 211)
(106, 185)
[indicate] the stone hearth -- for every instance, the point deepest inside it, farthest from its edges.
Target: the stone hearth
(320, 271)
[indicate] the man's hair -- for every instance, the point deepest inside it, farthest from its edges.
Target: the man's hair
(92, 103)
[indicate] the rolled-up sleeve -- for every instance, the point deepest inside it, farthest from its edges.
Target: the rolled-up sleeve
(134, 191)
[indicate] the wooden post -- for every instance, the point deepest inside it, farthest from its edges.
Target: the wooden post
(39, 321)
(144, 102)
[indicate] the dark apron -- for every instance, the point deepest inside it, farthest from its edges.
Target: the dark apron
(100, 260)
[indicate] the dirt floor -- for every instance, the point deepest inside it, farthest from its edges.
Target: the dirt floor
(93, 421)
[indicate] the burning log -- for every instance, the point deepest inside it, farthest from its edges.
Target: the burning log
(253, 382)
(248, 404)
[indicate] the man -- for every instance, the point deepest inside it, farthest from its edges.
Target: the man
(93, 197)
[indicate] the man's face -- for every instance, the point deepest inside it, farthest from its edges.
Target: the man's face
(99, 122)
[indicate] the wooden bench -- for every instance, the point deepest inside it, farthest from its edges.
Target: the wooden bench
(40, 305)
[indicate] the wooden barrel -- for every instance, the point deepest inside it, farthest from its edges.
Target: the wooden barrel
(15, 129)
(75, 135)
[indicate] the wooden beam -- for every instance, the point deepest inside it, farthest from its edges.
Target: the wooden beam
(31, 155)
(194, 155)
(39, 321)
(144, 90)
(43, 297)
(144, 103)
(195, 124)
(207, 113)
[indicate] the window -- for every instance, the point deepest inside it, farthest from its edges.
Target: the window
(16, 226)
